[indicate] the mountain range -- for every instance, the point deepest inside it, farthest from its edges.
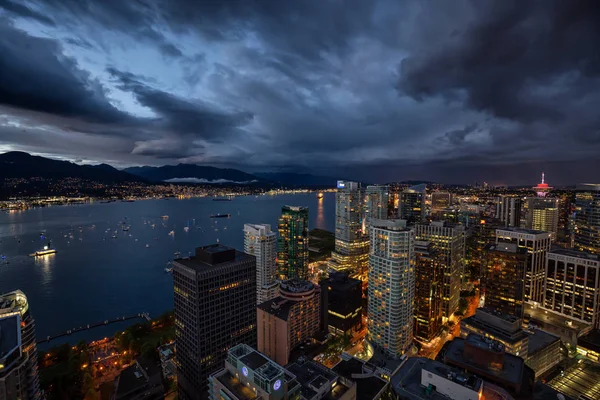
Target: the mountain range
(22, 165)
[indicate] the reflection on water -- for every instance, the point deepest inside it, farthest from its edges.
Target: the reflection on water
(45, 262)
(320, 222)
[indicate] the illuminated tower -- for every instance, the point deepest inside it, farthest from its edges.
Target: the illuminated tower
(377, 199)
(542, 188)
(587, 218)
(292, 243)
(542, 214)
(412, 204)
(261, 242)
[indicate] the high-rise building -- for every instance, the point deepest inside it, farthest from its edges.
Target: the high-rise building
(566, 209)
(587, 218)
(286, 321)
(261, 242)
(18, 354)
(440, 200)
(449, 242)
(292, 243)
(215, 309)
(351, 241)
(537, 244)
(508, 210)
(478, 237)
(505, 278)
(573, 285)
(377, 202)
(391, 287)
(344, 303)
(542, 188)
(429, 278)
(542, 215)
(412, 204)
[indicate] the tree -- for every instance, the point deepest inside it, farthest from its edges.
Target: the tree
(149, 351)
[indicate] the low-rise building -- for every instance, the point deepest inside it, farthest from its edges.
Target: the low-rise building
(141, 380)
(543, 353)
(589, 345)
(370, 385)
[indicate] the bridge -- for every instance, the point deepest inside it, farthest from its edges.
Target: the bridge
(145, 316)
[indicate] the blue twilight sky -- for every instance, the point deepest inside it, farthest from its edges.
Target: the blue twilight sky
(451, 91)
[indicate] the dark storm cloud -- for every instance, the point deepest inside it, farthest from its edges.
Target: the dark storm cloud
(36, 75)
(22, 10)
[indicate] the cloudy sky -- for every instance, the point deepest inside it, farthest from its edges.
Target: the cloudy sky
(451, 91)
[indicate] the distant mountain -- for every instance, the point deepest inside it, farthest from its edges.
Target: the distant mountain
(190, 173)
(293, 179)
(16, 164)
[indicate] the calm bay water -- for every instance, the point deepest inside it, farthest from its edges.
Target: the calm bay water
(94, 277)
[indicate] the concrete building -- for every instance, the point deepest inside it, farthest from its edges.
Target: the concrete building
(568, 329)
(537, 244)
(411, 207)
(573, 285)
(587, 218)
(429, 278)
(18, 353)
(505, 278)
(261, 242)
(215, 309)
(289, 319)
(449, 243)
(543, 353)
(292, 243)
(391, 287)
(508, 210)
(377, 202)
(344, 303)
(142, 380)
(370, 385)
(440, 201)
(351, 240)
(542, 215)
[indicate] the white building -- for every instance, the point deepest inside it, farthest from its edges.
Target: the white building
(391, 286)
(537, 244)
(261, 242)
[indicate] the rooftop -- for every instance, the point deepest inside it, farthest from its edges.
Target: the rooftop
(591, 341)
(13, 302)
(235, 386)
(368, 385)
(523, 230)
(254, 360)
(136, 376)
(506, 248)
(212, 256)
(311, 376)
(575, 253)
(296, 285)
(10, 333)
(540, 340)
(545, 316)
(278, 307)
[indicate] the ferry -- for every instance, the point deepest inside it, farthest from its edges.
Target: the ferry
(220, 215)
(320, 195)
(44, 252)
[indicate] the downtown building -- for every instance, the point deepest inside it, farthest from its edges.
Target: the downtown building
(587, 218)
(504, 279)
(289, 319)
(343, 296)
(449, 243)
(215, 309)
(411, 206)
(573, 285)
(391, 289)
(429, 278)
(351, 241)
(537, 244)
(541, 214)
(440, 201)
(18, 353)
(292, 243)
(261, 242)
(377, 198)
(508, 210)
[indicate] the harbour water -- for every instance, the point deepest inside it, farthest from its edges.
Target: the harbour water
(111, 258)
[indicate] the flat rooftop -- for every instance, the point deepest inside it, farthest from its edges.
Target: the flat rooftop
(504, 247)
(579, 380)
(212, 256)
(544, 315)
(575, 253)
(523, 230)
(539, 340)
(366, 388)
(311, 376)
(254, 360)
(591, 341)
(9, 335)
(235, 386)
(279, 307)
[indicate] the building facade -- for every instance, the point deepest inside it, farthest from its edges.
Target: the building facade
(261, 242)
(391, 287)
(429, 278)
(537, 244)
(440, 200)
(449, 243)
(215, 309)
(351, 241)
(508, 210)
(573, 285)
(542, 215)
(288, 320)
(377, 202)
(505, 278)
(344, 303)
(292, 243)
(587, 218)
(18, 352)
(411, 207)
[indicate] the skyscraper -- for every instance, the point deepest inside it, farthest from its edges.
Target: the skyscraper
(573, 285)
(505, 278)
(508, 210)
(412, 204)
(449, 242)
(18, 353)
(344, 303)
(292, 243)
(215, 309)
(428, 292)
(537, 244)
(587, 218)
(440, 200)
(542, 215)
(391, 287)
(351, 242)
(377, 202)
(261, 242)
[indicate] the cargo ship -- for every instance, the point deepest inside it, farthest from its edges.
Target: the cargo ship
(220, 215)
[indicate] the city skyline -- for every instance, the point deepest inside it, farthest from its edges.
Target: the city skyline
(393, 90)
